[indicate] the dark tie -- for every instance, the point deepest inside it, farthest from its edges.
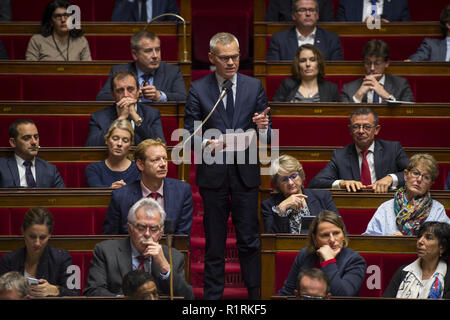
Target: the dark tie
(376, 97)
(154, 195)
(146, 78)
(374, 8)
(29, 175)
(141, 260)
(143, 11)
(365, 171)
(230, 105)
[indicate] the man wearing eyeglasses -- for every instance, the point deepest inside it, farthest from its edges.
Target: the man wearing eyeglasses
(305, 14)
(313, 284)
(367, 163)
(113, 259)
(377, 86)
(231, 185)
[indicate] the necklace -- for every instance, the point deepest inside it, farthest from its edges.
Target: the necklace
(60, 52)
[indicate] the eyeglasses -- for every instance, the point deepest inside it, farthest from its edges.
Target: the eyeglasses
(416, 174)
(375, 63)
(308, 297)
(365, 127)
(227, 58)
(286, 179)
(304, 10)
(59, 16)
(142, 228)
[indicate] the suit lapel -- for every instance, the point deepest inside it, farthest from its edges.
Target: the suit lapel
(442, 49)
(354, 163)
(377, 159)
(12, 165)
(39, 173)
(214, 91)
(240, 89)
(124, 256)
(167, 196)
(388, 85)
(357, 7)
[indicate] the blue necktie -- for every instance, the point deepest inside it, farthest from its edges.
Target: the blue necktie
(374, 8)
(376, 97)
(29, 175)
(230, 105)
(147, 77)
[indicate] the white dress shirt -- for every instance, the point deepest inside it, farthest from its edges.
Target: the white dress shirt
(309, 39)
(22, 169)
(367, 9)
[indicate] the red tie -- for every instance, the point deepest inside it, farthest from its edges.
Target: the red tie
(365, 171)
(154, 195)
(141, 260)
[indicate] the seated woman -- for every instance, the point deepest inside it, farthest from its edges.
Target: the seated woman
(327, 250)
(428, 277)
(55, 41)
(307, 84)
(283, 211)
(412, 204)
(116, 170)
(38, 259)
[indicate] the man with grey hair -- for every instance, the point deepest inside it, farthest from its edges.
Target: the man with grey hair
(14, 286)
(158, 81)
(113, 259)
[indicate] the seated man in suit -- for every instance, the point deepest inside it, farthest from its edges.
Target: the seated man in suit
(174, 196)
(376, 86)
(281, 10)
(360, 10)
(305, 14)
(113, 259)
(138, 10)
(25, 169)
(146, 120)
(159, 81)
(436, 49)
(367, 163)
(139, 285)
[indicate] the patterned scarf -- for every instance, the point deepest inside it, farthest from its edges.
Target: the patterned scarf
(410, 215)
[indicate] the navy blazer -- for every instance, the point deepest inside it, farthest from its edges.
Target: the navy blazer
(178, 206)
(53, 266)
(431, 50)
(284, 44)
(250, 98)
(101, 120)
(126, 10)
(447, 182)
(317, 201)
(47, 175)
(389, 157)
(328, 91)
(168, 79)
(346, 275)
(394, 10)
(281, 10)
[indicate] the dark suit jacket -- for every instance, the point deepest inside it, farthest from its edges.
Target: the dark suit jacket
(168, 79)
(281, 10)
(397, 86)
(101, 120)
(112, 261)
(47, 175)
(394, 10)
(3, 53)
(250, 98)
(389, 157)
(328, 91)
(52, 267)
(431, 50)
(284, 44)
(317, 201)
(124, 10)
(178, 206)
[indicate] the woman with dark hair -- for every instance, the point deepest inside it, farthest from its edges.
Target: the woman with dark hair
(327, 249)
(428, 277)
(55, 41)
(39, 260)
(307, 84)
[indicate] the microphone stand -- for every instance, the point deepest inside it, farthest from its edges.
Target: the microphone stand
(185, 52)
(169, 243)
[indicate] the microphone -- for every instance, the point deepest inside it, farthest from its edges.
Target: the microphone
(169, 230)
(226, 86)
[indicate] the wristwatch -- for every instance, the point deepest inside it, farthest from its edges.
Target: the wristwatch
(138, 122)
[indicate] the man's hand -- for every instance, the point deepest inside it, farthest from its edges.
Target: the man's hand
(214, 145)
(118, 184)
(126, 107)
(261, 119)
(150, 92)
(382, 185)
(154, 250)
(370, 82)
(43, 289)
(351, 185)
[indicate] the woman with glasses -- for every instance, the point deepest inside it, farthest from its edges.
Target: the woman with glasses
(307, 84)
(55, 41)
(327, 250)
(428, 277)
(284, 211)
(412, 204)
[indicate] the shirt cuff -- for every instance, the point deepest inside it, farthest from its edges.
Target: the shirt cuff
(394, 180)
(325, 263)
(335, 184)
(356, 100)
(163, 97)
(164, 276)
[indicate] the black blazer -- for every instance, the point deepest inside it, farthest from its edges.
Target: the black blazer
(317, 201)
(53, 267)
(328, 91)
(281, 10)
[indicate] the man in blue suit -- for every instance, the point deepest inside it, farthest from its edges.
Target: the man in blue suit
(368, 163)
(231, 185)
(159, 81)
(305, 14)
(25, 169)
(146, 120)
(174, 196)
(359, 10)
(143, 10)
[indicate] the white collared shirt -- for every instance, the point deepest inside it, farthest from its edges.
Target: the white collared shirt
(447, 56)
(21, 168)
(146, 193)
(367, 9)
(220, 82)
(147, 263)
(309, 39)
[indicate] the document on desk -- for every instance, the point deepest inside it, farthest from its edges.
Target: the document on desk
(238, 141)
